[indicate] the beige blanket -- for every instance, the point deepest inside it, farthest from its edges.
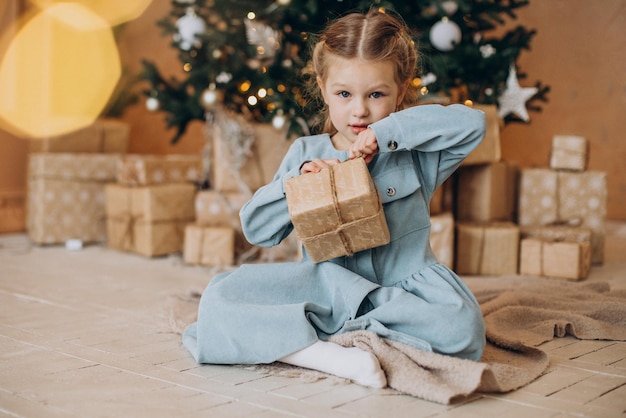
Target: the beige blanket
(518, 319)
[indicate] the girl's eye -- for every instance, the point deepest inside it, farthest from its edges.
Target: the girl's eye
(344, 94)
(376, 95)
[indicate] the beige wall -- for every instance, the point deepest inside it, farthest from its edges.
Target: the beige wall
(12, 150)
(578, 51)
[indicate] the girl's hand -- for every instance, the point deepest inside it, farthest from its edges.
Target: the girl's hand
(365, 145)
(316, 165)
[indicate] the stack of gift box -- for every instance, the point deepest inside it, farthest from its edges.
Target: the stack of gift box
(490, 218)
(562, 212)
(472, 214)
(151, 203)
(65, 182)
(499, 219)
(216, 238)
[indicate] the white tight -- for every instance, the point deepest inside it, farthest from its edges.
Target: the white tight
(348, 362)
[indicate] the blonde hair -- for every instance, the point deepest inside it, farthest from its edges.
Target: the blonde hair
(371, 36)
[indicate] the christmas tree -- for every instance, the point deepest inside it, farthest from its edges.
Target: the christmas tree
(248, 57)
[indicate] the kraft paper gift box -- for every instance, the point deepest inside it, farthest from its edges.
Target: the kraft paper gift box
(209, 246)
(486, 192)
(557, 233)
(487, 248)
(144, 170)
(105, 135)
(12, 211)
(290, 249)
(66, 196)
(548, 197)
(561, 259)
(259, 166)
(569, 152)
(337, 211)
(214, 208)
(490, 149)
(149, 220)
(442, 237)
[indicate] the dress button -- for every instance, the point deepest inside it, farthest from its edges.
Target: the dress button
(391, 191)
(392, 145)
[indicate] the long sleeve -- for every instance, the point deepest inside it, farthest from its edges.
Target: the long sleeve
(442, 137)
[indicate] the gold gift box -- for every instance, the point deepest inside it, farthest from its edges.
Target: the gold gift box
(487, 248)
(569, 152)
(560, 259)
(209, 246)
(337, 211)
(144, 170)
(149, 220)
(103, 136)
(548, 197)
(66, 196)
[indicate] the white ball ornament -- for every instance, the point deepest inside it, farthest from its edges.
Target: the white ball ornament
(210, 97)
(279, 120)
(152, 104)
(445, 34)
(189, 26)
(284, 2)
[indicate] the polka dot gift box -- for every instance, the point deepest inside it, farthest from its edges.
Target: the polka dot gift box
(66, 196)
(569, 152)
(144, 170)
(549, 197)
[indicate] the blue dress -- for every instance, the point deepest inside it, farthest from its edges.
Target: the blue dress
(259, 313)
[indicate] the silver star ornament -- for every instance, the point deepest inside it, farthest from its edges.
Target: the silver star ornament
(513, 99)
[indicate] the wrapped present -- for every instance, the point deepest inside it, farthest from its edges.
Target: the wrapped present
(561, 259)
(442, 237)
(149, 220)
(548, 197)
(12, 211)
(144, 170)
(258, 166)
(66, 196)
(486, 192)
(489, 150)
(569, 152)
(215, 208)
(289, 249)
(486, 248)
(556, 233)
(103, 136)
(337, 211)
(209, 246)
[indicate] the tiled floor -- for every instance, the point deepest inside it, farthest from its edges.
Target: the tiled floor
(90, 333)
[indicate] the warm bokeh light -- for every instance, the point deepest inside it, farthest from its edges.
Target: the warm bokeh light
(58, 72)
(114, 12)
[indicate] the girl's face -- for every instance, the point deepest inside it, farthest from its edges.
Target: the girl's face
(359, 93)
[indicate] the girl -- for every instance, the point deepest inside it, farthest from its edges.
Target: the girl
(262, 313)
